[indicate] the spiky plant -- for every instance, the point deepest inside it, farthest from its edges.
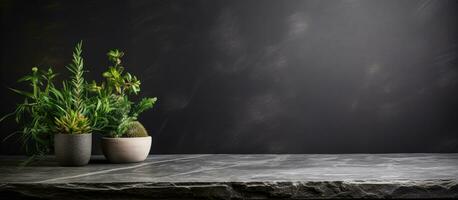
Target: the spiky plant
(72, 100)
(77, 81)
(72, 122)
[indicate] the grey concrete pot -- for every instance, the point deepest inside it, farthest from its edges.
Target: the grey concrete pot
(73, 149)
(126, 150)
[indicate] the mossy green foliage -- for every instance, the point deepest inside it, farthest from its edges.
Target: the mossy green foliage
(136, 129)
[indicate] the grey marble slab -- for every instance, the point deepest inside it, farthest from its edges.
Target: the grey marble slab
(228, 176)
(11, 170)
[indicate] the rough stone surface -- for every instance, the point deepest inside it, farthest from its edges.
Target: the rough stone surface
(267, 176)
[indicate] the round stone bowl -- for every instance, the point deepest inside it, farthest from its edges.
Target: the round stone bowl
(73, 149)
(126, 150)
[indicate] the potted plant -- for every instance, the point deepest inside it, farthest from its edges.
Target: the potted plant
(73, 138)
(35, 114)
(57, 117)
(125, 139)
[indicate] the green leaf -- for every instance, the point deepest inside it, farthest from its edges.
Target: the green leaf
(23, 93)
(7, 115)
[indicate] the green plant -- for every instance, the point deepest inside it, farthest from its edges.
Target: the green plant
(113, 100)
(122, 83)
(47, 110)
(36, 113)
(136, 129)
(71, 101)
(73, 122)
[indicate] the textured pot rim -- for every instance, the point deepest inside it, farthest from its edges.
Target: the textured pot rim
(126, 138)
(75, 135)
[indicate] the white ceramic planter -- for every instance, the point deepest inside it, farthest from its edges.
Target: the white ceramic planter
(126, 150)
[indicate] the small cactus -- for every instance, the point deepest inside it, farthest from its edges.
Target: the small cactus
(136, 129)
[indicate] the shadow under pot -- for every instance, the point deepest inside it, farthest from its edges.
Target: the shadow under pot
(73, 149)
(126, 150)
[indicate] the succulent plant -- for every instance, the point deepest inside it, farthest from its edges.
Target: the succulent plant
(112, 98)
(136, 129)
(73, 122)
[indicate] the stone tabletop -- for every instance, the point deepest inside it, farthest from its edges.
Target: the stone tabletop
(228, 176)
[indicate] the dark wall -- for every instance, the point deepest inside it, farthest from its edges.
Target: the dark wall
(258, 76)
